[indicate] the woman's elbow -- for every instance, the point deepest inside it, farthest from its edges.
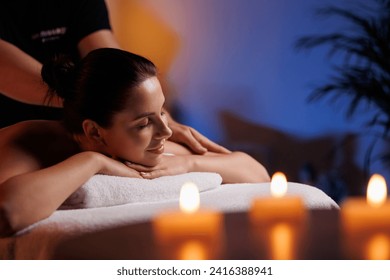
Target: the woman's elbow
(253, 171)
(13, 217)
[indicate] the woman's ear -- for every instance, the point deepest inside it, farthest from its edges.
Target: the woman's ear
(93, 131)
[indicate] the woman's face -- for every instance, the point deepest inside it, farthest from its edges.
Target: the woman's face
(138, 133)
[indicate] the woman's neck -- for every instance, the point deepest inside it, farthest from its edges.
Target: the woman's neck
(83, 142)
(86, 144)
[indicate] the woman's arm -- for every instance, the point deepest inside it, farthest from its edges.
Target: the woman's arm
(235, 167)
(30, 197)
(99, 39)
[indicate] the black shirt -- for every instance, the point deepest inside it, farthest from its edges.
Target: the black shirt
(43, 28)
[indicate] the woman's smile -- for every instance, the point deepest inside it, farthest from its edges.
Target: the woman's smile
(159, 149)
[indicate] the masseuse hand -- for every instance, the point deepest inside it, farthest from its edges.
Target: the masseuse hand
(198, 143)
(169, 165)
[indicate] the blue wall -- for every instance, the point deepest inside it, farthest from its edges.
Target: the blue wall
(237, 57)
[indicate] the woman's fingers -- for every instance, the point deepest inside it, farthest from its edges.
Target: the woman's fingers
(154, 174)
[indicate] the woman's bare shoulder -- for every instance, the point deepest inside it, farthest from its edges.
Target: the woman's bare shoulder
(32, 132)
(30, 126)
(177, 149)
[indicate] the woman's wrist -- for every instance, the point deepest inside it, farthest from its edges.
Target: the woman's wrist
(97, 161)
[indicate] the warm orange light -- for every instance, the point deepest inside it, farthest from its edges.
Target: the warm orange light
(376, 191)
(282, 241)
(378, 247)
(193, 250)
(278, 185)
(189, 198)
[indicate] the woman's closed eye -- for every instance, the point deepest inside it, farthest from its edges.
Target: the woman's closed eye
(144, 123)
(148, 121)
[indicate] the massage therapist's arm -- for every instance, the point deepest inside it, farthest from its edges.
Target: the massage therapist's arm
(20, 73)
(29, 197)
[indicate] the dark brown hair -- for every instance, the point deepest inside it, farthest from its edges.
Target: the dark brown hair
(98, 86)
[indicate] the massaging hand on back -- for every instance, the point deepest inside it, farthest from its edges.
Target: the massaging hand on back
(189, 137)
(33, 91)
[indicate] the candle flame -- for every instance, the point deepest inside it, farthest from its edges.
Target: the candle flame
(376, 190)
(278, 185)
(189, 198)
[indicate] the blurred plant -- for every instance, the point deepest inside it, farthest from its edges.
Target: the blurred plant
(364, 74)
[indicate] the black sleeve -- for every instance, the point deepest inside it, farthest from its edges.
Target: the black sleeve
(90, 16)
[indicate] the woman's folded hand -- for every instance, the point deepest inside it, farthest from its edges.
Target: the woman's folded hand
(114, 167)
(169, 165)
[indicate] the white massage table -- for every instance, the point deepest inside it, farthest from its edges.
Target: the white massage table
(145, 198)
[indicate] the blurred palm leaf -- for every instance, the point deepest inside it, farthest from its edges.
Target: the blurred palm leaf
(364, 75)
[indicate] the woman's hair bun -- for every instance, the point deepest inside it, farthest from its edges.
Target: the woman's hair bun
(59, 73)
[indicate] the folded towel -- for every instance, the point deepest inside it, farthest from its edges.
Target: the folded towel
(104, 190)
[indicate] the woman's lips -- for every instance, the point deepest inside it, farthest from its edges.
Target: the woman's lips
(158, 150)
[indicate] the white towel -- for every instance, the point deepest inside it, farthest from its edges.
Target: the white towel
(40, 240)
(104, 190)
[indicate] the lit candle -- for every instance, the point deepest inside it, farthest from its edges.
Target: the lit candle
(366, 222)
(278, 205)
(277, 221)
(369, 213)
(177, 230)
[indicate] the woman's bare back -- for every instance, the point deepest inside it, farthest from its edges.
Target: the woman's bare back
(31, 145)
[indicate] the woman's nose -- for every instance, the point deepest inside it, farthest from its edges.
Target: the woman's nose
(164, 132)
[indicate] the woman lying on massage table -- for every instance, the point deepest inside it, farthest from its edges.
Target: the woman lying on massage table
(113, 124)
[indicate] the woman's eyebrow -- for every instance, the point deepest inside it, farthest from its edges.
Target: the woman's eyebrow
(146, 114)
(143, 115)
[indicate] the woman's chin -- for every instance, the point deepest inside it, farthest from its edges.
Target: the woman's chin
(152, 161)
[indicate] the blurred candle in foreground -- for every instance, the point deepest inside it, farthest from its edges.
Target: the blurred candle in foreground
(372, 212)
(193, 250)
(278, 205)
(366, 222)
(378, 247)
(177, 230)
(277, 221)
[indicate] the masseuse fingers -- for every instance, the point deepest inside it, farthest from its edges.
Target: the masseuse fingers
(192, 142)
(182, 134)
(208, 144)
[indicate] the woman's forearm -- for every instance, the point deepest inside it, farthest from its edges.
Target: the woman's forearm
(29, 197)
(236, 167)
